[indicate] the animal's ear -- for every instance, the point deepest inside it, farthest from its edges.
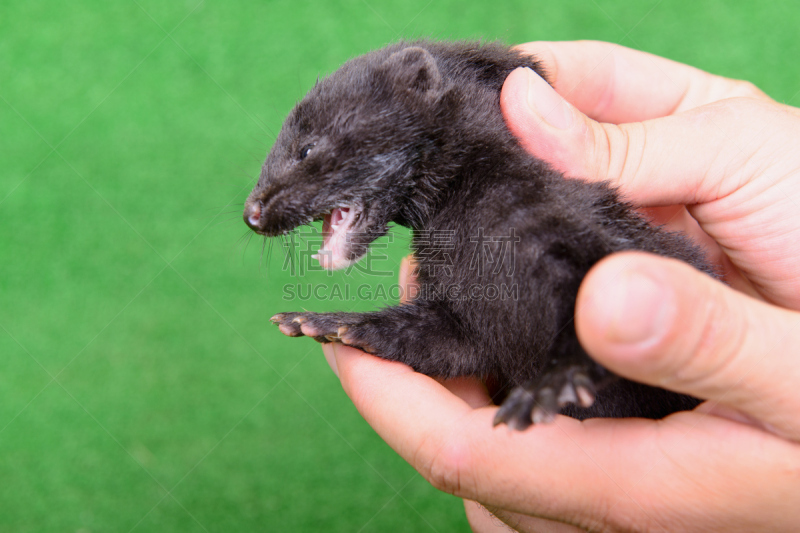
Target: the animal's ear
(413, 69)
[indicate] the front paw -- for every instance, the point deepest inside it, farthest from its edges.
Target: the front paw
(323, 327)
(541, 400)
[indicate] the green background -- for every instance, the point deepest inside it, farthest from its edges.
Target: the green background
(141, 386)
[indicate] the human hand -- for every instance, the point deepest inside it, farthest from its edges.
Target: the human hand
(706, 470)
(669, 135)
(720, 467)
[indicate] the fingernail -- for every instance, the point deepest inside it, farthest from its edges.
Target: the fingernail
(330, 355)
(638, 308)
(547, 103)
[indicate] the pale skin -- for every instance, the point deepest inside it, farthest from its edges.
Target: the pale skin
(718, 159)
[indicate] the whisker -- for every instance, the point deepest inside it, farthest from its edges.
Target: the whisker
(267, 262)
(248, 152)
(230, 219)
(247, 244)
(245, 234)
(209, 217)
(292, 256)
(216, 211)
(259, 141)
(283, 247)
(207, 209)
(269, 250)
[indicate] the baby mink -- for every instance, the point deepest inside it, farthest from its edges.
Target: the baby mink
(413, 134)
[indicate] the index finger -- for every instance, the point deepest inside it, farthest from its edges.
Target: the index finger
(446, 439)
(583, 473)
(615, 84)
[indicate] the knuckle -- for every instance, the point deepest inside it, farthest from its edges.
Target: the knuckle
(444, 473)
(623, 152)
(603, 160)
(446, 466)
(746, 89)
(716, 345)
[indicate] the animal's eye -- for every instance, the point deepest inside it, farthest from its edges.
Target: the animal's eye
(305, 150)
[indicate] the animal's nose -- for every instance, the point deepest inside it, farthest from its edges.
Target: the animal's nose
(252, 214)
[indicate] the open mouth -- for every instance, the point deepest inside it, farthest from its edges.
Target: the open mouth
(342, 231)
(335, 252)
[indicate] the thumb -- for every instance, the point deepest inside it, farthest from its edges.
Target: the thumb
(677, 159)
(661, 322)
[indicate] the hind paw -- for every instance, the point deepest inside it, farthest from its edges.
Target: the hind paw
(324, 327)
(540, 401)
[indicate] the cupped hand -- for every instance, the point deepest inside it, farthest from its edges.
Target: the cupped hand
(712, 469)
(733, 464)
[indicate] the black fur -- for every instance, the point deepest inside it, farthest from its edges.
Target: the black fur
(413, 134)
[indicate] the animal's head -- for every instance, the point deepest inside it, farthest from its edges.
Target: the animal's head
(350, 153)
